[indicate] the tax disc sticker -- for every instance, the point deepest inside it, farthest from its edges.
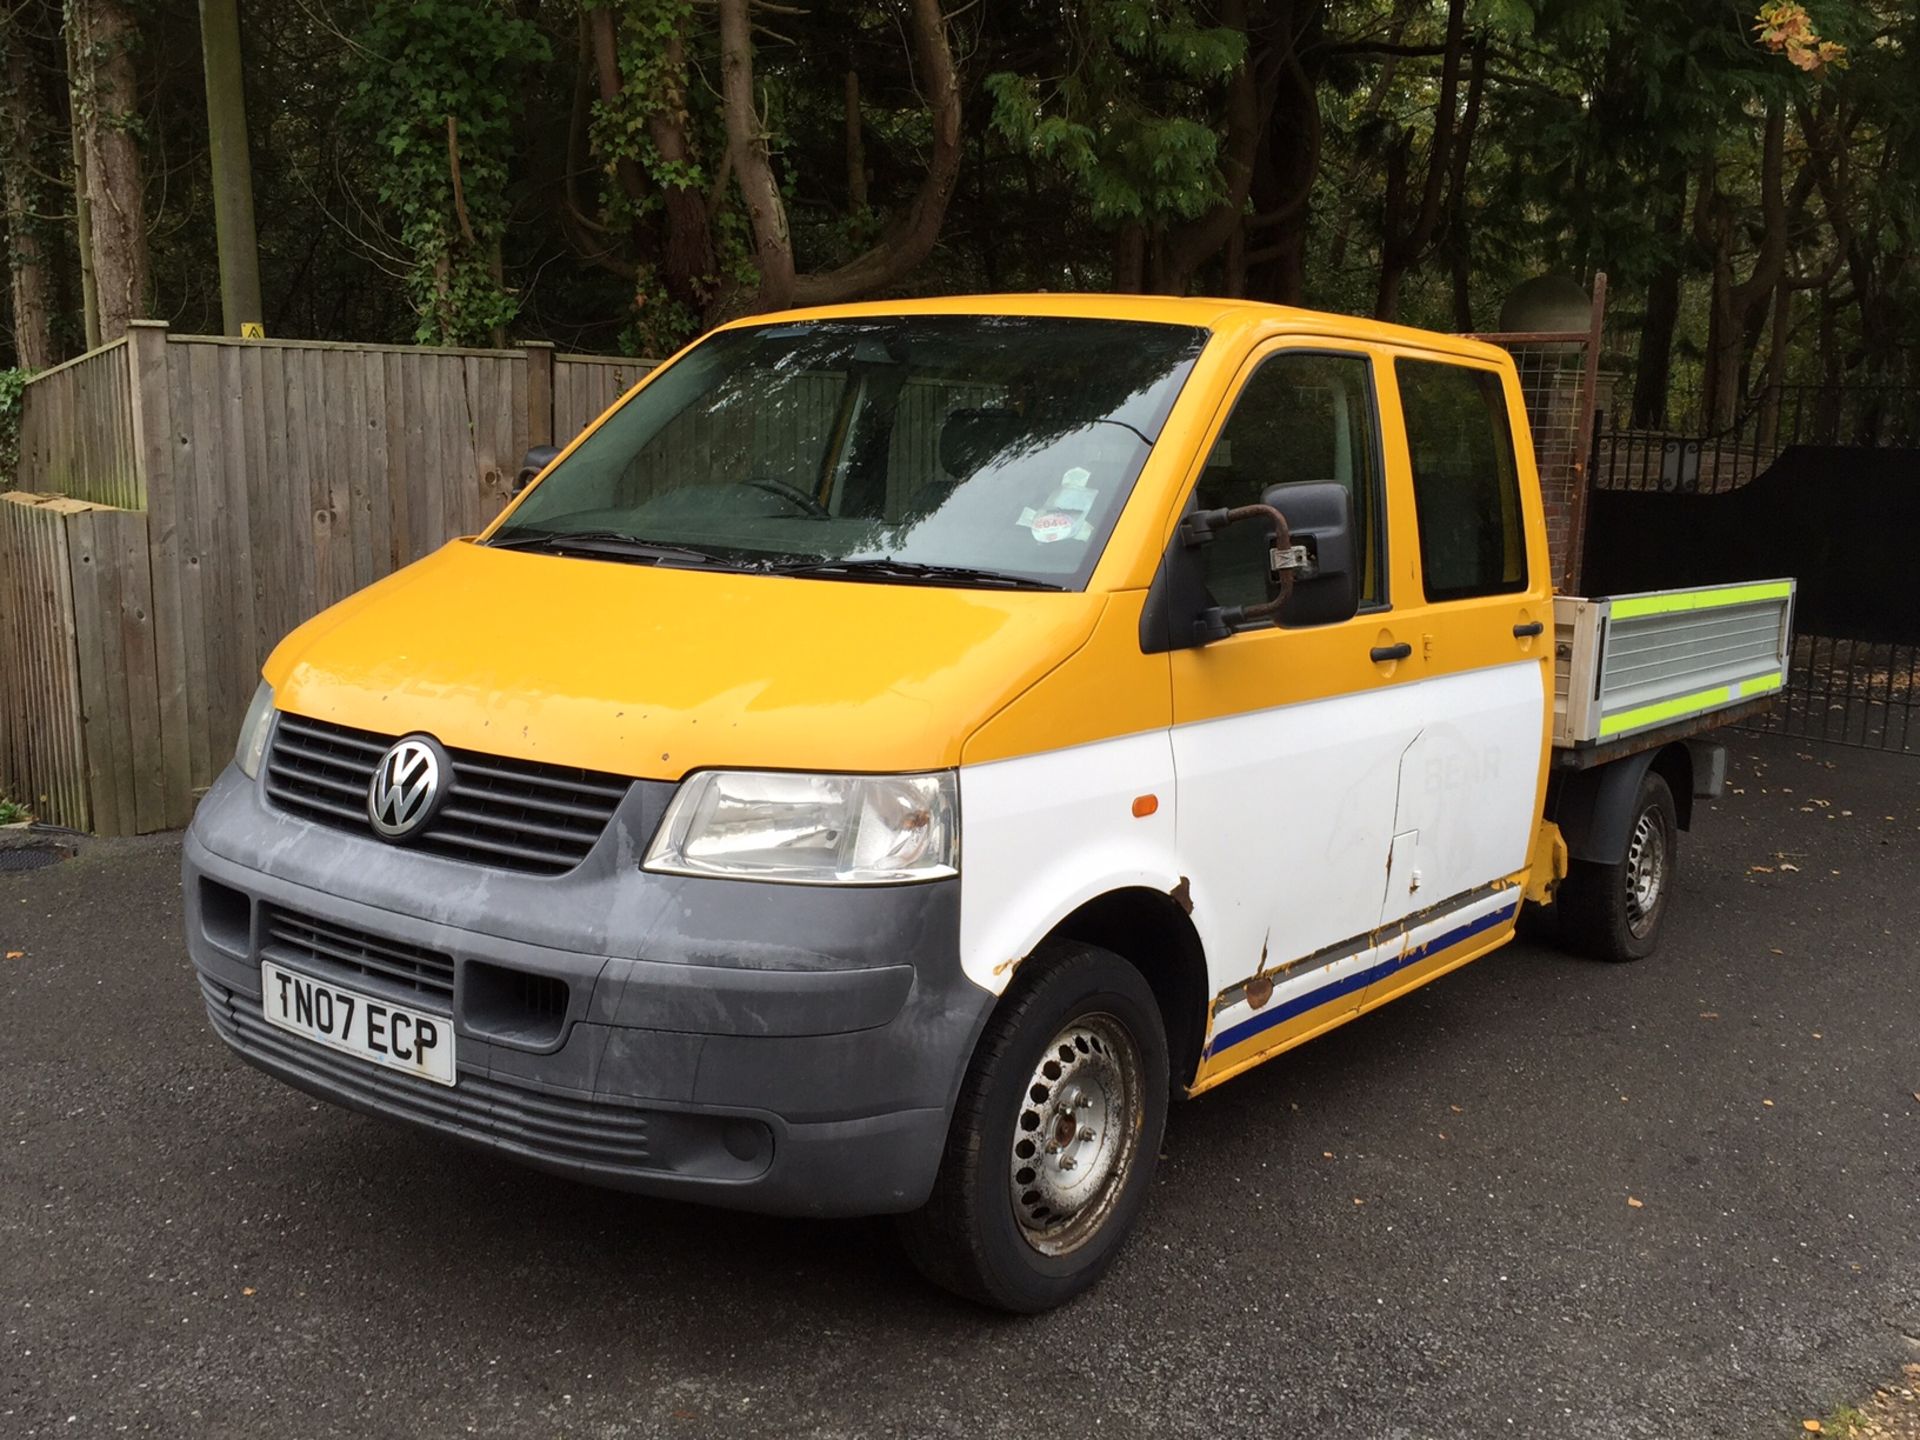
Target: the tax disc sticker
(1076, 477)
(1051, 525)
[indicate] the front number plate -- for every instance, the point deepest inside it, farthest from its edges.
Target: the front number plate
(392, 1035)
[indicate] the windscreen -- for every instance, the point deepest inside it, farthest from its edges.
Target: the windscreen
(914, 448)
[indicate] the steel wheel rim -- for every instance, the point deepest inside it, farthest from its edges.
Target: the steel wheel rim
(1646, 873)
(1077, 1133)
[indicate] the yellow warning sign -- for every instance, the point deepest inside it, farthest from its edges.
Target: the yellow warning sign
(252, 330)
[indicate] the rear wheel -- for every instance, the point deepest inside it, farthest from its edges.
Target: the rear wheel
(1054, 1137)
(1613, 912)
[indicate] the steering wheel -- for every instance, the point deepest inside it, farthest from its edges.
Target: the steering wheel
(799, 497)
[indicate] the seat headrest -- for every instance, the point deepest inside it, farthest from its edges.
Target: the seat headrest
(970, 438)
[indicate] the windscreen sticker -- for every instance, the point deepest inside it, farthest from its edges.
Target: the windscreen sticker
(1051, 525)
(1076, 478)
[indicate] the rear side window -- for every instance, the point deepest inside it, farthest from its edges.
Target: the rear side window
(1466, 486)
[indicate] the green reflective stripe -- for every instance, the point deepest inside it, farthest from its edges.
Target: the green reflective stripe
(1700, 599)
(1685, 705)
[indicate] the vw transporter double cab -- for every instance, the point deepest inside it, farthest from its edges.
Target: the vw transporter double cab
(898, 747)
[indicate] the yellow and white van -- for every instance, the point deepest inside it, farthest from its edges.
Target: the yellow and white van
(899, 746)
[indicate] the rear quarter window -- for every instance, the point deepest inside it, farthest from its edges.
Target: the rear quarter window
(1466, 482)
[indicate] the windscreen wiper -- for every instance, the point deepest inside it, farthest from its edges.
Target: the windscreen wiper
(912, 572)
(614, 544)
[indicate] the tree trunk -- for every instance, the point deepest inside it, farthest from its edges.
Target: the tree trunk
(1187, 247)
(896, 254)
(1653, 369)
(32, 270)
(893, 257)
(688, 265)
(106, 113)
(856, 147)
(1734, 302)
(237, 240)
(1459, 241)
(1285, 169)
(752, 169)
(1403, 246)
(1130, 259)
(1775, 375)
(82, 206)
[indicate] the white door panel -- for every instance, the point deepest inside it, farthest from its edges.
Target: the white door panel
(1467, 785)
(1284, 824)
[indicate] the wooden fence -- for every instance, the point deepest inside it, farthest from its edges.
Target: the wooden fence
(76, 436)
(185, 501)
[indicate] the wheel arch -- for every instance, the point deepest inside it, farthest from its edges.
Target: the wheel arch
(1594, 808)
(1150, 931)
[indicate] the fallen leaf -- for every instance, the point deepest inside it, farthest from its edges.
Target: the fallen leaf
(1818, 1036)
(1326, 1154)
(1456, 1109)
(1358, 1201)
(1788, 865)
(1759, 870)
(1812, 1427)
(1636, 1204)
(1775, 950)
(1916, 1094)
(1709, 1014)
(16, 954)
(248, 1290)
(1767, 1103)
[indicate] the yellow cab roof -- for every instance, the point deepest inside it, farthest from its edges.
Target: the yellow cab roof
(1210, 312)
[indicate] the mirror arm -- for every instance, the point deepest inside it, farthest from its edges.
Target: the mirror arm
(1285, 562)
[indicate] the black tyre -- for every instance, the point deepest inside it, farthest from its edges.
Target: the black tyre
(1054, 1137)
(1613, 912)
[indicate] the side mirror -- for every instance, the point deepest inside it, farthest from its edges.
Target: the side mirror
(536, 459)
(1319, 516)
(1310, 571)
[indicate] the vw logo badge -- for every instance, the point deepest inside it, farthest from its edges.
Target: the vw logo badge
(406, 787)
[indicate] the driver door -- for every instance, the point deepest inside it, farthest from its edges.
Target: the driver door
(1288, 741)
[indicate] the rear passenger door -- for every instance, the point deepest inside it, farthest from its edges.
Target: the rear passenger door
(1470, 779)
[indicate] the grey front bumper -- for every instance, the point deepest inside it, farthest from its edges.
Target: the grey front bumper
(790, 1049)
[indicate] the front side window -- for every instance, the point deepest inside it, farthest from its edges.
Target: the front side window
(1466, 486)
(928, 449)
(1304, 415)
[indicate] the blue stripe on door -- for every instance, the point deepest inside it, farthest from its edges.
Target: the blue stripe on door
(1359, 980)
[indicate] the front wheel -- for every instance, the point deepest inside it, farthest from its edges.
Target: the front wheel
(1613, 912)
(1052, 1145)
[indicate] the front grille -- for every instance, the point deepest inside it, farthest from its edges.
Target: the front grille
(510, 814)
(493, 1109)
(307, 944)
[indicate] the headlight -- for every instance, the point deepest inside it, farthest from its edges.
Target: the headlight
(253, 732)
(811, 829)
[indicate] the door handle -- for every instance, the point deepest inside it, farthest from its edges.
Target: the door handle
(1529, 630)
(1381, 654)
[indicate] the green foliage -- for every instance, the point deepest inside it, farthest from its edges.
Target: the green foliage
(1132, 123)
(13, 388)
(421, 66)
(12, 812)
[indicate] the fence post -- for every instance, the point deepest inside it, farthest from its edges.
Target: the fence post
(539, 395)
(1585, 434)
(153, 450)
